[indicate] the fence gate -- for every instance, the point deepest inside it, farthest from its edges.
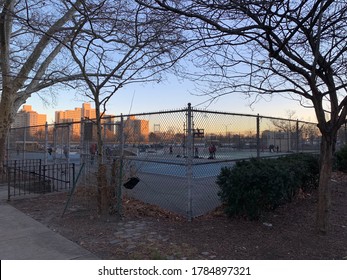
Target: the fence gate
(31, 176)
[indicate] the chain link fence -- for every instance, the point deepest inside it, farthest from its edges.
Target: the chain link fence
(170, 158)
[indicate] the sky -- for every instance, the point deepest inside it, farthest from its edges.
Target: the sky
(170, 95)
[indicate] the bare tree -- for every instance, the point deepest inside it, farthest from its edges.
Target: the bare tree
(32, 36)
(117, 44)
(293, 48)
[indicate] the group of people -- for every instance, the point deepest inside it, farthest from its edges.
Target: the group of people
(212, 151)
(51, 151)
(272, 148)
(92, 149)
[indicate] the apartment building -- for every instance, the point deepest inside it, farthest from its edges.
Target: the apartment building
(75, 116)
(27, 117)
(136, 130)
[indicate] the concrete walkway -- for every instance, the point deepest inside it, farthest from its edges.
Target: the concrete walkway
(23, 238)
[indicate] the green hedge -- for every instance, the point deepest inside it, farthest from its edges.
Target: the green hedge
(251, 187)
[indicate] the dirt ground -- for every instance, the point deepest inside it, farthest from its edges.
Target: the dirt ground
(147, 232)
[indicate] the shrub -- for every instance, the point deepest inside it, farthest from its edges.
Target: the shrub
(305, 167)
(252, 187)
(341, 159)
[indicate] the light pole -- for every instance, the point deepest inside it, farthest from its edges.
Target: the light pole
(226, 132)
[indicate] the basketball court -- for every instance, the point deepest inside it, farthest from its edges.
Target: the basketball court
(164, 180)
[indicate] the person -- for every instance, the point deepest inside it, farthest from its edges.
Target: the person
(171, 150)
(50, 150)
(66, 151)
(214, 149)
(196, 152)
(108, 152)
(92, 150)
(210, 151)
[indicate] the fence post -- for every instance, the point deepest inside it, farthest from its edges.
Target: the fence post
(8, 180)
(41, 182)
(297, 136)
(7, 155)
(83, 149)
(258, 136)
(69, 127)
(24, 142)
(289, 132)
(74, 180)
(46, 143)
(55, 142)
(14, 178)
(103, 129)
(189, 162)
(120, 179)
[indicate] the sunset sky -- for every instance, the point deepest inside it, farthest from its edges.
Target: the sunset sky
(173, 94)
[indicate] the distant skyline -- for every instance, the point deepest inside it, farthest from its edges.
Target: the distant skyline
(170, 95)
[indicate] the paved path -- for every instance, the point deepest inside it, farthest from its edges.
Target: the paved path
(23, 238)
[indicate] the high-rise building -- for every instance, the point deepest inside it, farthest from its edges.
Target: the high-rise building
(136, 130)
(87, 111)
(27, 117)
(75, 116)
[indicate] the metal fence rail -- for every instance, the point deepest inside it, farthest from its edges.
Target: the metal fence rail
(176, 155)
(31, 176)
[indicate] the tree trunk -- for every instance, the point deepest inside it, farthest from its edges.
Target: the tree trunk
(326, 163)
(103, 205)
(8, 110)
(105, 189)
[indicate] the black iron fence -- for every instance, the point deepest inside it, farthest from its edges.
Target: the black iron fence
(32, 176)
